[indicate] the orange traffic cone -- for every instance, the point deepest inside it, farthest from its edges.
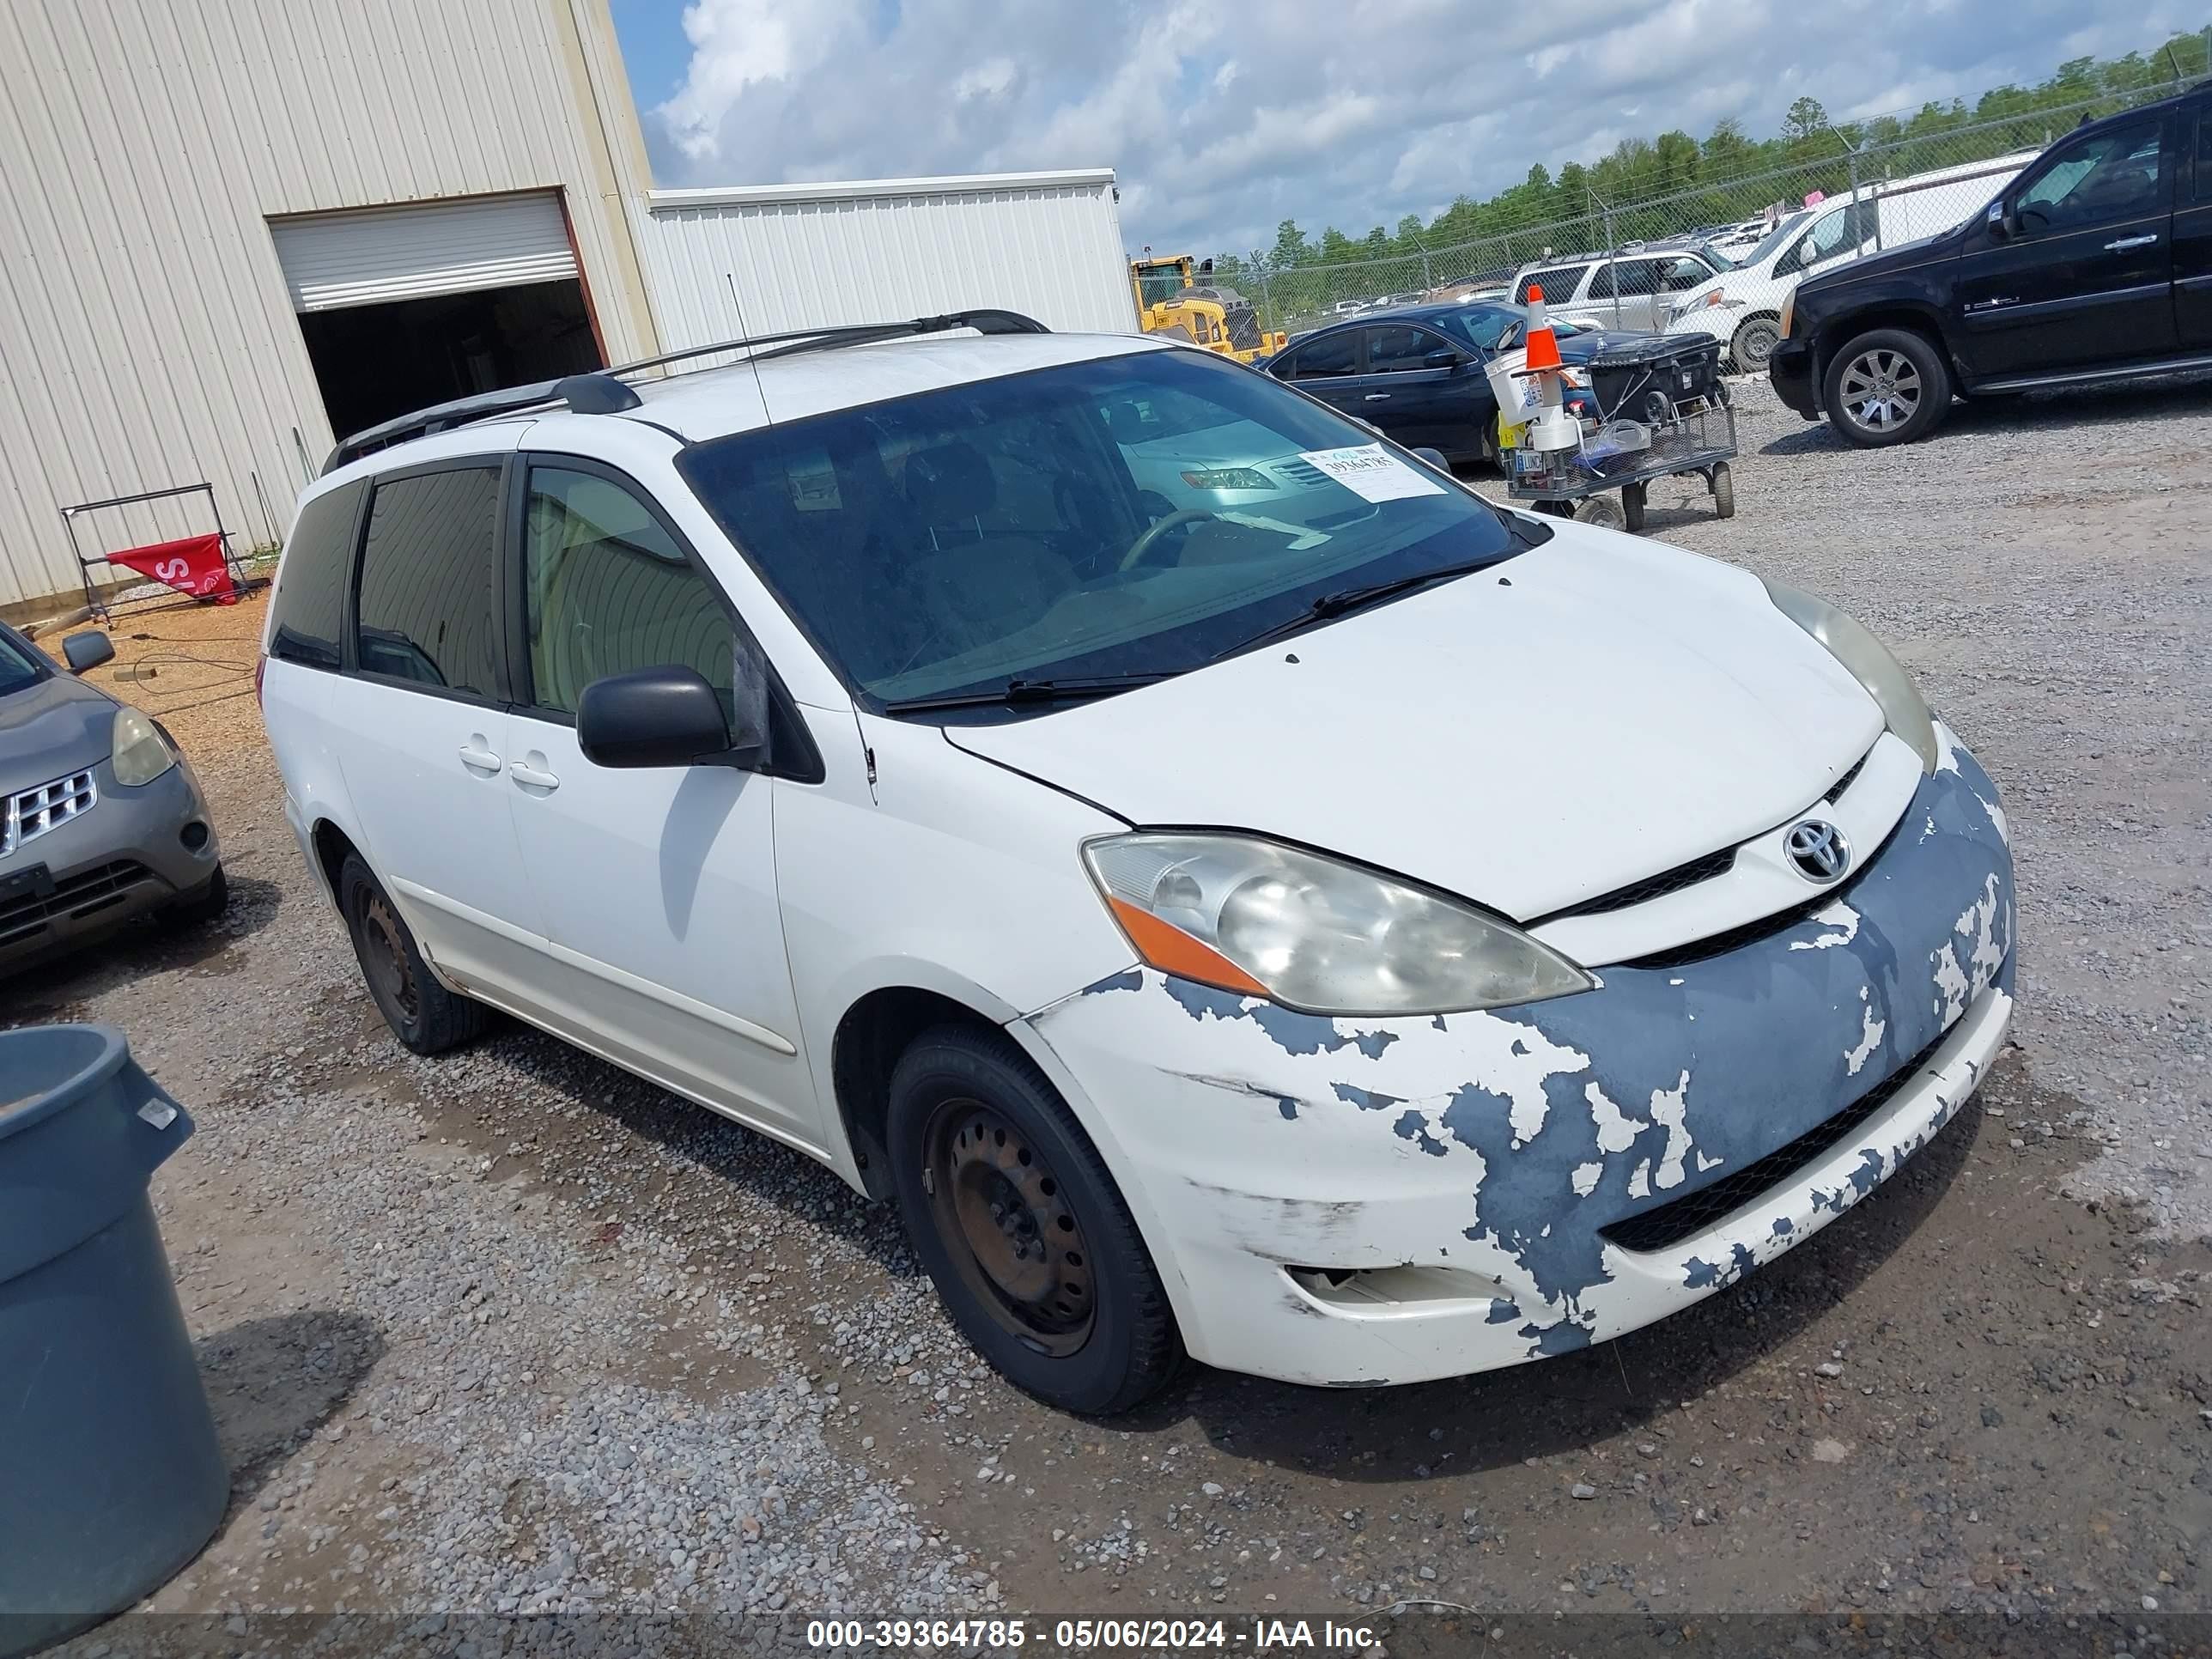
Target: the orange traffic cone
(1543, 347)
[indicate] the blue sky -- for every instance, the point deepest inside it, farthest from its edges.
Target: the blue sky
(1222, 118)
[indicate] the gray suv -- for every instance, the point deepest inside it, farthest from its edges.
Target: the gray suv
(100, 818)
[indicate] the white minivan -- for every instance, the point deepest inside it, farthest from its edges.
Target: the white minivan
(1743, 307)
(1281, 909)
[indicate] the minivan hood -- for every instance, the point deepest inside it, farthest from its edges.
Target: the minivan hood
(1591, 713)
(57, 726)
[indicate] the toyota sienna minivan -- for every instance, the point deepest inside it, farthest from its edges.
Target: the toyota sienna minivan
(1278, 908)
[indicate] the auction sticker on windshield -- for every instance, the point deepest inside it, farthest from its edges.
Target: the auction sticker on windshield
(1372, 472)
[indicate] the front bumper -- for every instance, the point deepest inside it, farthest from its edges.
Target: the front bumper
(1389, 1200)
(130, 854)
(1790, 370)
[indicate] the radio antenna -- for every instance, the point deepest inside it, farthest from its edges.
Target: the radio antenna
(744, 333)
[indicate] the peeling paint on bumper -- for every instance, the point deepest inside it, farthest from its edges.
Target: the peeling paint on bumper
(1462, 1167)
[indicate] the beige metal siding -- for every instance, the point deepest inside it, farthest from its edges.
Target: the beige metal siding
(793, 255)
(146, 335)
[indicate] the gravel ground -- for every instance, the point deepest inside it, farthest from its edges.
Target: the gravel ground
(512, 1331)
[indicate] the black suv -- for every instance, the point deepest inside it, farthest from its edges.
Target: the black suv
(2095, 264)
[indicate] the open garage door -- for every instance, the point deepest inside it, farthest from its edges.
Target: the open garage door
(412, 305)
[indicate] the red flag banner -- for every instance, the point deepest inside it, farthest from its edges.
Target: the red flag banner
(193, 565)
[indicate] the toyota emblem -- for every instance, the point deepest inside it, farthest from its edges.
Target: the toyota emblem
(1818, 849)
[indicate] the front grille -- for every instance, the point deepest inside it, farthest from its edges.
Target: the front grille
(31, 812)
(1244, 329)
(1750, 933)
(1669, 1224)
(1836, 789)
(1651, 887)
(84, 894)
(1299, 472)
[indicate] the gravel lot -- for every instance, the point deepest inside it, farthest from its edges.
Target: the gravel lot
(512, 1331)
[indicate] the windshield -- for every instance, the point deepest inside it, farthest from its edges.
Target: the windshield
(18, 668)
(1483, 324)
(1784, 229)
(1713, 257)
(1136, 515)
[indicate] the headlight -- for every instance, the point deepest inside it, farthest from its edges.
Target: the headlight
(141, 753)
(1268, 921)
(1871, 664)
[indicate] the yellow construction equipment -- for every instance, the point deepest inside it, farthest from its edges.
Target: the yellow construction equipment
(1177, 296)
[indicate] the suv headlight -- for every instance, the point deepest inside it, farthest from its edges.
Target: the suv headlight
(141, 754)
(1871, 664)
(1313, 933)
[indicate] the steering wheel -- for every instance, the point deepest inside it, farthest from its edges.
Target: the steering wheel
(1159, 528)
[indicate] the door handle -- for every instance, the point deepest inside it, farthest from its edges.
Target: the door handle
(477, 758)
(2127, 242)
(1378, 397)
(535, 777)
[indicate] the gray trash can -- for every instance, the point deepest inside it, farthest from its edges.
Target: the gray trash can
(110, 1476)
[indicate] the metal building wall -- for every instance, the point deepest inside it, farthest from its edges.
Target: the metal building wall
(146, 337)
(1048, 244)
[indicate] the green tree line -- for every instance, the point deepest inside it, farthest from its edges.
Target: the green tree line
(1675, 182)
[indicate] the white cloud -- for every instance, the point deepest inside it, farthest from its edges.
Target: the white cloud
(1222, 121)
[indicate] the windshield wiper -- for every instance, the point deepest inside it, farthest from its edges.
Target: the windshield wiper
(1018, 689)
(1344, 601)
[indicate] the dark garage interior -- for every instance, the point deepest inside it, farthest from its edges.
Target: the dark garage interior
(375, 361)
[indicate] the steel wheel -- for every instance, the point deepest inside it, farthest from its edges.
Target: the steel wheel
(1881, 390)
(1754, 344)
(384, 960)
(1005, 1219)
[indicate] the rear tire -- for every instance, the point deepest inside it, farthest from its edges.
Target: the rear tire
(421, 1013)
(1018, 1224)
(1633, 502)
(1723, 491)
(1889, 385)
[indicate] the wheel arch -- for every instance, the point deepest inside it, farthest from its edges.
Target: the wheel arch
(1834, 335)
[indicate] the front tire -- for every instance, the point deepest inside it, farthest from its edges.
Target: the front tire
(421, 1013)
(1889, 385)
(203, 905)
(1021, 1229)
(1755, 342)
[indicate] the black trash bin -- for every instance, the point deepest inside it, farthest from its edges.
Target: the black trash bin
(111, 1479)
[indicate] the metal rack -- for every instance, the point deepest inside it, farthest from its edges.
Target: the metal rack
(239, 582)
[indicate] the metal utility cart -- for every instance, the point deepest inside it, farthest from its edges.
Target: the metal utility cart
(1664, 412)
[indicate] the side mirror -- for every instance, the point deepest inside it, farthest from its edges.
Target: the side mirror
(87, 650)
(1443, 357)
(1435, 458)
(666, 716)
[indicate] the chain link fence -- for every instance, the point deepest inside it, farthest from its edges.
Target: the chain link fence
(1721, 253)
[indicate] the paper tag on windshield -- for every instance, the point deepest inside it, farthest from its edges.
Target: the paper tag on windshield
(1372, 472)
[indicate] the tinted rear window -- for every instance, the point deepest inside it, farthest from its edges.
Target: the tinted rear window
(430, 581)
(310, 600)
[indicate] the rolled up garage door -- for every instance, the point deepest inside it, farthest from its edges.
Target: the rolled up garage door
(371, 256)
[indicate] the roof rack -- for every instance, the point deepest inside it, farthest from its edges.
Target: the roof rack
(601, 392)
